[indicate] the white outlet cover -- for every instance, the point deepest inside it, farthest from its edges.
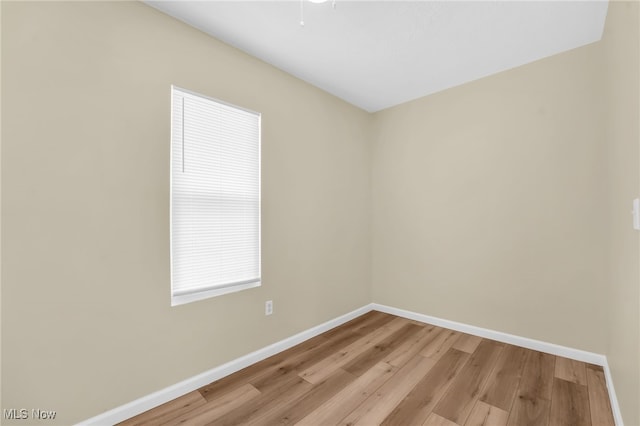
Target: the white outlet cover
(636, 214)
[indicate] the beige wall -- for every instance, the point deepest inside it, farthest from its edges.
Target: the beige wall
(621, 46)
(86, 321)
(489, 207)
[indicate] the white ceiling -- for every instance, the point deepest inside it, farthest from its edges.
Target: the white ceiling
(377, 54)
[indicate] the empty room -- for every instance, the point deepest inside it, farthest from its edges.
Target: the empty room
(320, 213)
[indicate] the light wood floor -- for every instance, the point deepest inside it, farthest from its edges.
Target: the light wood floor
(381, 369)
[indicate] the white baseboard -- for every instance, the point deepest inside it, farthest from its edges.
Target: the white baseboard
(550, 348)
(148, 402)
(167, 394)
(617, 414)
(537, 345)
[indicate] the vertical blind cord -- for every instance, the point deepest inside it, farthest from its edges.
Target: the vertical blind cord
(182, 135)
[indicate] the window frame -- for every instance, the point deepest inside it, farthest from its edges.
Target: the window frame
(188, 297)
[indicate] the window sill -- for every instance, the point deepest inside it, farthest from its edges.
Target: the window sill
(188, 298)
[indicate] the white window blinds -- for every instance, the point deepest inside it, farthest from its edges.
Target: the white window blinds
(215, 197)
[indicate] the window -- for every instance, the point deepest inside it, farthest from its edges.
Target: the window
(215, 197)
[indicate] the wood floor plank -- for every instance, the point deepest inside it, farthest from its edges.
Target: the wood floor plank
(345, 401)
(412, 346)
(218, 388)
(537, 376)
(292, 365)
(292, 410)
(457, 403)
(484, 414)
(265, 402)
(211, 411)
(378, 406)
(380, 369)
(529, 411)
(571, 370)
(322, 369)
(332, 346)
(418, 404)
(276, 380)
(440, 345)
(599, 403)
(594, 367)
(363, 324)
(380, 321)
(533, 402)
(420, 323)
(308, 348)
(467, 343)
(503, 382)
(168, 411)
(436, 420)
(298, 357)
(569, 405)
(377, 352)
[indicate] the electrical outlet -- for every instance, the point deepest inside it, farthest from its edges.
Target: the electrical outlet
(268, 307)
